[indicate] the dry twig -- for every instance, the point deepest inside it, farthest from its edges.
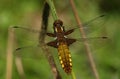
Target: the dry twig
(9, 56)
(88, 51)
(45, 48)
(19, 66)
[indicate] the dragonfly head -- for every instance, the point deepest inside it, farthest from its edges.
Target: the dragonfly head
(58, 23)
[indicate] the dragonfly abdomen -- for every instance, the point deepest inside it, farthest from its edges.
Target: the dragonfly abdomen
(65, 57)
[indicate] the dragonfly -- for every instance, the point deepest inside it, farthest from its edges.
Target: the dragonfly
(61, 42)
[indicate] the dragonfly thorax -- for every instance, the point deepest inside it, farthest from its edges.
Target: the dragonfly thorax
(58, 22)
(58, 26)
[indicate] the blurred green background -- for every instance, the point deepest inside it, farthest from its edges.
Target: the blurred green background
(27, 13)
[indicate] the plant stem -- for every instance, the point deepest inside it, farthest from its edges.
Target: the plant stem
(53, 10)
(87, 47)
(19, 67)
(9, 53)
(43, 45)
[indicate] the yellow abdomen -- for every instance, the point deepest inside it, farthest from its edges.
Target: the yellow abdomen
(65, 57)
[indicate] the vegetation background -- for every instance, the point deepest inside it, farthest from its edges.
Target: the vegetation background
(106, 53)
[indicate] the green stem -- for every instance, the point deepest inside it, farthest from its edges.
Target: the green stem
(73, 75)
(53, 10)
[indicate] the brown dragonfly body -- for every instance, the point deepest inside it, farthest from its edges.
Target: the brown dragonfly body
(62, 44)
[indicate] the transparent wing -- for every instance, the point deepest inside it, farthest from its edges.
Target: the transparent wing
(26, 35)
(92, 27)
(92, 41)
(29, 52)
(96, 28)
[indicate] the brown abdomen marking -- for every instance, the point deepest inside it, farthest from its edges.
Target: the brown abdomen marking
(65, 57)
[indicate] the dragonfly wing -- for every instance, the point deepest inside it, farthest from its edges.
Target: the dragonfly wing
(69, 31)
(29, 52)
(53, 44)
(70, 41)
(51, 34)
(92, 38)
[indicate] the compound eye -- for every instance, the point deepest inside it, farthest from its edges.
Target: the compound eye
(58, 22)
